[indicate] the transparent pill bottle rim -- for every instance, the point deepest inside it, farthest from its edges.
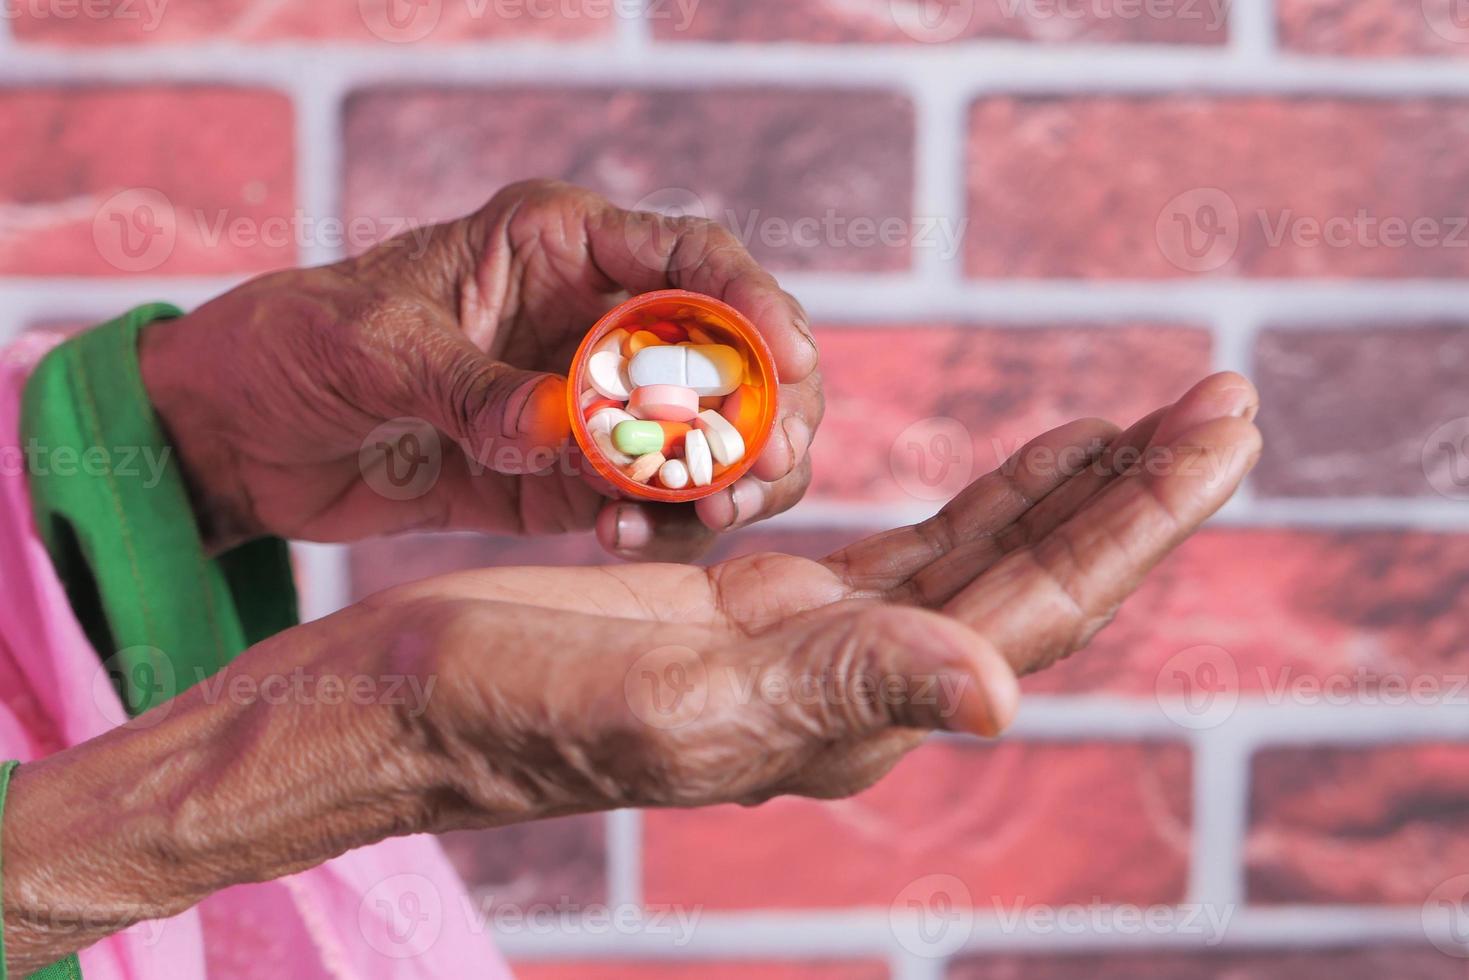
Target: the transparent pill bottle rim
(724, 324)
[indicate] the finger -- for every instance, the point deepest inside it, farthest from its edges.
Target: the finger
(882, 666)
(800, 410)
(508, 420)
(1222, 395)
(642, 251)
(884, 564)
(751, 499)
(1058, 506)
(640, 531)
(1044, 601)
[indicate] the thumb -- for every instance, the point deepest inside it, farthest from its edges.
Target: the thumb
(507, 419)
(897, 666)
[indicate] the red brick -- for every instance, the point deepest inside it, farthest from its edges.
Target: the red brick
(701, 970)
(1289, 606)
(1016, 822)
(555, 862)
(1004, 385)
(874, 21)
(1371, 963)
(752, 156)
(1377, 29)
(1373, 825)
(122, 22)
(211, 153)
(1090, 187)
(1346, 412)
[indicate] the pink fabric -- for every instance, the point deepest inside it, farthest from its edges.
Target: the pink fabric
(394, 910)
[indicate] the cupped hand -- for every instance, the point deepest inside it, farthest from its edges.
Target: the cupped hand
(270, 391)
(771, 674)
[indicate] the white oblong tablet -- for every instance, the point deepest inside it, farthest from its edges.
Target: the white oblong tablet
(606, 419)
(674, 474)
(709, 369)
(725, 442)
(660, 365)
(713, 369)
(607, 372)
(697, 457)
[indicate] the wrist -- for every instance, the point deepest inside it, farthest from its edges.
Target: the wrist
(257, 772)
(174, 358)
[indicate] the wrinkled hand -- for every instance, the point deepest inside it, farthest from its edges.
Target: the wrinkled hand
(269, 391)
(646, 686)
(555, 691)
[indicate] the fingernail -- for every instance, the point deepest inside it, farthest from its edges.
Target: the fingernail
(798, 434)
(634, 529)
(524, 406)
(747, 499)
(1233, 401)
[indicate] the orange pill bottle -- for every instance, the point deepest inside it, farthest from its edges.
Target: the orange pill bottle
(674, 316)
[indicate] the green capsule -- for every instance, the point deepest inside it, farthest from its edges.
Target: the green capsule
(638, 438)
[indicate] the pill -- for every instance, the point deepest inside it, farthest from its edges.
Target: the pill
(709, 369)
(697, 458)
(742, 407)
(640, 340)
(673, 437)
(726, 444)
(699, 336)
(607, 372)
(591, 406)
(606, 420)
(613, 341)
(674, 474)
(603, 441)
(637, 438)
(667, 331)
(669, 403)
(711, 401)
(644, 467)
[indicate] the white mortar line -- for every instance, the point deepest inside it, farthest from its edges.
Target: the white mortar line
(634, 34)
(938, 171)
(624, 858)
(1221, 794)
(1252, 33)
(860, 933)
(325, 581)
(974, 69)
(7, 36)
(910, 966)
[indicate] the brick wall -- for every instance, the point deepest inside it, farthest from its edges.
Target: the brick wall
(1262, 768)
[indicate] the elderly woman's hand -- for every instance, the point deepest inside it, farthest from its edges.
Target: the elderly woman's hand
(553, 691)
(270, 391)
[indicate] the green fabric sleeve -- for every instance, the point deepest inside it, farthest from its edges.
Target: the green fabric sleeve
(114, 513)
